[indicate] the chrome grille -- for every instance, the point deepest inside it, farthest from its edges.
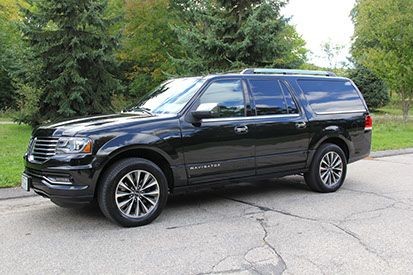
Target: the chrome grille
(43, 148)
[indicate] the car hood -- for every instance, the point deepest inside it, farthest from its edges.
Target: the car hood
(84, 126)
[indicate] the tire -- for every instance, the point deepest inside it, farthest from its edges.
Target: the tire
(325, 175)
(128, 188)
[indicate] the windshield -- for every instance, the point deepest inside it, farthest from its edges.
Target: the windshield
(169, 97)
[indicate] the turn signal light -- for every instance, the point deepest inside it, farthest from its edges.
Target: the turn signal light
(88, 147)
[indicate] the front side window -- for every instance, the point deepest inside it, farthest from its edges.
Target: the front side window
(268, 96)
(228, 95)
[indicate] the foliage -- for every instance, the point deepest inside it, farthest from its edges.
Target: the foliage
(13, 143)
(339, 71)
(225, 35)
(71, 41)
(374, 90)
(148, 42)
(75, 56)
(28, 105)
(384, 41)
(331, 52)
(10, 53)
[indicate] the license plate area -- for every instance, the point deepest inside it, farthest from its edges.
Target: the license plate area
(26, 182)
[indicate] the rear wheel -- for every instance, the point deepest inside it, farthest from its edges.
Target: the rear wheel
(328, 169)
(133, 192)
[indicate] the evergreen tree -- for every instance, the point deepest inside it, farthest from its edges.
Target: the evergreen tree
(374, 90)
(70, 39)
(224, 35)
(10, 52)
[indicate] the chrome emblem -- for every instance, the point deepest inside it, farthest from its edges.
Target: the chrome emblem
(205, 166)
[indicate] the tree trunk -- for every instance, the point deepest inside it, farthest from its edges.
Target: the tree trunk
(406, 107)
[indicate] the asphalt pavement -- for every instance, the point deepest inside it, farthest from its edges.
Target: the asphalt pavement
(271, 227)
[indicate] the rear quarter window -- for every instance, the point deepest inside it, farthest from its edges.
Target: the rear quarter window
(327, 96)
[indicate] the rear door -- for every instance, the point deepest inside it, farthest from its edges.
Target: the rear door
(281, 131)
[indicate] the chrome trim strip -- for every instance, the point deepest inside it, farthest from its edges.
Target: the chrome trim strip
(341, 112)
(45, 145)
(43, 148)
(248, 118)
(56, 182)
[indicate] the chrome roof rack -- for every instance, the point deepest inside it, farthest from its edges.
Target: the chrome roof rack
(286, 72)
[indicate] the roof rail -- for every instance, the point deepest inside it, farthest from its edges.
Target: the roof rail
(286, 72)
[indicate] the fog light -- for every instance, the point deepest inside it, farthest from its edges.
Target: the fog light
(58, 180)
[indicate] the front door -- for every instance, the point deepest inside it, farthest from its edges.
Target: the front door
(221, 147)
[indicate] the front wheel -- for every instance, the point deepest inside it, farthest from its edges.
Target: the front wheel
(133, 192)
(328, 169)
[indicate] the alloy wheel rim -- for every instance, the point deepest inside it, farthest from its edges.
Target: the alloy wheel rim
(137, 194)
(331, 168)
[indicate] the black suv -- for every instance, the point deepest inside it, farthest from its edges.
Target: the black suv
(194, 132)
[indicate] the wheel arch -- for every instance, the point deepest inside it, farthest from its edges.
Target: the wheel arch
(139, 152)
(341, 142)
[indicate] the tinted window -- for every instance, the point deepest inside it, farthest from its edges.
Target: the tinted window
(229, 96)
(268, 96)
(331, 95)
(291, 105)
(169, 97)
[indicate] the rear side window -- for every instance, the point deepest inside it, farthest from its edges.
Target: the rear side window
(291, 105)
(326, 96)
(268, 96)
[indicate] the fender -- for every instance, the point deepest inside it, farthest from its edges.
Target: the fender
(332, 131)
(128, 142)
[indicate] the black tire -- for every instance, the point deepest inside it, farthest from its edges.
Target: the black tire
(313, 176)
(108, 186)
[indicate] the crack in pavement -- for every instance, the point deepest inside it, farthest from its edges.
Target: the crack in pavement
(266, 209)
(361, 242)
(348, 217)
(266, 234)
(231, 271)
(375, 194)
(342, 229)
(311, 262)
(263, 265)
(221, 261)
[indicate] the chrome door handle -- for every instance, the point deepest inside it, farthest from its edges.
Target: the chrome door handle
(301, 125)
(241, 129)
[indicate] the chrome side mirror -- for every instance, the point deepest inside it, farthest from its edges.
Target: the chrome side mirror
(206, 110)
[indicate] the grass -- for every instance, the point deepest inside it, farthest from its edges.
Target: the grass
(14, 139)
(6, 116)
(389, 132)
(391, 110)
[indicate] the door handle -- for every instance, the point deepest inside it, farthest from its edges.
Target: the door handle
(301, 125)
(241, 129)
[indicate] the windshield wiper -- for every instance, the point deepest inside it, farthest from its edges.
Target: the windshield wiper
(139, 109)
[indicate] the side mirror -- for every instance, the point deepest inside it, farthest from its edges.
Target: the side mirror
(206, 110)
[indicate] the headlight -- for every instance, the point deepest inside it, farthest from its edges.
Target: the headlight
(73, 145)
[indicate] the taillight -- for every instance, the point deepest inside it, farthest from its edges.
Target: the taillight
(368, 123)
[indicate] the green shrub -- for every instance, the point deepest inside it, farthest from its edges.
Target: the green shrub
(374, 90)
(28, 104)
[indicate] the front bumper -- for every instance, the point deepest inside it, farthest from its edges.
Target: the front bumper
(63, 182)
